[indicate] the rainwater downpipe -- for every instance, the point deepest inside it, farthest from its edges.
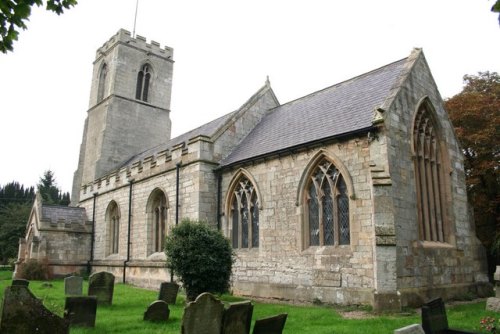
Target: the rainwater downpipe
(131, 182)
(219, 183)
(92, 238)
(177, 172)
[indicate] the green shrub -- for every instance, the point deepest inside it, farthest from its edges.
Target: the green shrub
(33, 269)
(200, 257)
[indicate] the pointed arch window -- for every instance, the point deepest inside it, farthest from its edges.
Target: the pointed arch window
(113, 218)
(429, 176)
(327, 207)
(244, 215)
(102, 82)
(159, 221)
(143, 82)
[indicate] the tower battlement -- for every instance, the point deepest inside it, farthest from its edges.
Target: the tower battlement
(124, 36)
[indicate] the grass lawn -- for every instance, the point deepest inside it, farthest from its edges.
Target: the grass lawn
(129, 304)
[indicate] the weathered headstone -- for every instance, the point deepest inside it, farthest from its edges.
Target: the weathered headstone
(81, 310)
(102, 285)
(157, 311)
(73, 285)
(410, 329)
(271, 325)
(20, 281)
(23, 313)
(493, 303)
(168, 292)
(203, 316)
(237, 318)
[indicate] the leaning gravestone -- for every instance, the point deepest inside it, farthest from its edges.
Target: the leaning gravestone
(20, 281)
(81, 310)
(271, 325)
(410, 329)
(23, 313)
(157, 311)
(73, 285)
(168, 292)
(203, 316)
(237, 318)
(101, 285)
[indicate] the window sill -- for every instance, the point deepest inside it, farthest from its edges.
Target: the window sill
(431, 244)
(329, 250)
(158, 256)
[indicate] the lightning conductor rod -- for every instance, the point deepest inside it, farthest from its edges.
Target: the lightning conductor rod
(135, 17)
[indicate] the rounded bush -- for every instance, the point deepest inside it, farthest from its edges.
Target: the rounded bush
(200, 257)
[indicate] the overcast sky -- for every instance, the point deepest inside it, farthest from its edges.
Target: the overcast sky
(223, 51)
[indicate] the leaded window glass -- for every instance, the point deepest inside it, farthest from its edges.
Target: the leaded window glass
(327, 207)
(245, 215)
(113, 218)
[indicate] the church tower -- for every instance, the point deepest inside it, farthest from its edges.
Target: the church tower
(129, 107)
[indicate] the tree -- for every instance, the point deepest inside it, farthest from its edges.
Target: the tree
(15, 207)
(49, 191)
(200, 256)
(14, 13)
(496, 9)
(475, 114)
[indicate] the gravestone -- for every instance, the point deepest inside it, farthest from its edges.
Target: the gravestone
(410, 329)
(237, 318)
(101, 285)
(168, 292)
(157, 311)
(493, 303)
(20, 281)
(271, 325)
(73, 285)
(203, 316)
(81, 310)
(23, 313)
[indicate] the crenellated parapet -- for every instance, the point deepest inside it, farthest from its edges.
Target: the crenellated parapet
(124, 36)
(198, 148)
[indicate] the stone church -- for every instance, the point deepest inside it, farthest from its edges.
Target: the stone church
(354, 194)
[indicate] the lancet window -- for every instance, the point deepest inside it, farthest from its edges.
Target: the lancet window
(102, 82)
(143, 83)
(113, 218)
(429, 176)
(245, 215)
(327, 207)
(159, 215)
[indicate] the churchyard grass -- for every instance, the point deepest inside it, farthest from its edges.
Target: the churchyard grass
(129, 304)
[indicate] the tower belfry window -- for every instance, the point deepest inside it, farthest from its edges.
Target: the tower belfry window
(143, 82)
(102, 82)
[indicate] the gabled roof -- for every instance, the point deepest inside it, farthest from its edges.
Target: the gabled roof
(338, 110)
(55, 213)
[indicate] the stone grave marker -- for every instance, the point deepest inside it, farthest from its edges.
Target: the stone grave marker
(101, 285)
(203, 316)
(168, 292)
(157, 311)
(73, 285)
(271, 325)
(81, 310)
(237, 318)
(20, 281)
(410, 329)
(23, 313)
(493, 303)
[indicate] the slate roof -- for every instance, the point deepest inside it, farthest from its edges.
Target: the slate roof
(334, 111)
(55, 213)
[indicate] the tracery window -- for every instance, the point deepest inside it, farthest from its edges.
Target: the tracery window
(159, 221)
(143, 82)
(327, 207)
(113, 218)
(244, 215)
(429, 176)
(102, 82)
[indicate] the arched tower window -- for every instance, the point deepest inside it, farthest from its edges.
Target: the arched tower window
(113, 222)
(326, 207)
(143, 82)
(102, 82)
(157, 220)
(429, 175)
(244, 214)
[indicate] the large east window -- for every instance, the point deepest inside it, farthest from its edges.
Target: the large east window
(327, 207)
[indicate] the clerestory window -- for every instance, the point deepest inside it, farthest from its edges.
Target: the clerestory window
(143, 83)
(327, 207)
(244, 215)
(429, 176)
